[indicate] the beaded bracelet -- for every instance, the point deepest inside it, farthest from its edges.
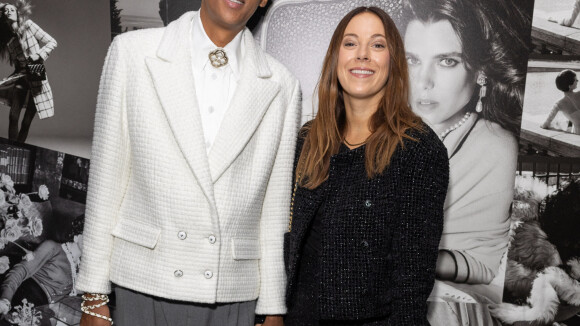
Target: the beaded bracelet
(87, 309)
(95, 297)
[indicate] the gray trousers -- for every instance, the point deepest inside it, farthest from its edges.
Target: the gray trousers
(138, 309)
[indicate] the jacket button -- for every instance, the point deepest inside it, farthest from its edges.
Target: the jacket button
(181, 235)
(208, 274)
(178, 273)
(365, 244)
(368, 203)
(211, 239)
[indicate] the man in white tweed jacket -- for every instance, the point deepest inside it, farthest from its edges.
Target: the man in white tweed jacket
(191, 175)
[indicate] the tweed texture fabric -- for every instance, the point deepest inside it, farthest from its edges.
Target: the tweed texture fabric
(21, 50)
(165, 218)
(380, 236)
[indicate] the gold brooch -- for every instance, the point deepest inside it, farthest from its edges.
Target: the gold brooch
(218, 58)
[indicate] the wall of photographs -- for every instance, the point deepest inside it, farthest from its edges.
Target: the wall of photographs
(525, 224)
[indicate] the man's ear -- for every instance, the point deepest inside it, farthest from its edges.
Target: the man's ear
(263, 3)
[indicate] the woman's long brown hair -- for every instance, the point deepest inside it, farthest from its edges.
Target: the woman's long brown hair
(388, 124)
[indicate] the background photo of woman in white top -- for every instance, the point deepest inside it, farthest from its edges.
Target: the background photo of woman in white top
(467, 63)
(569, 104)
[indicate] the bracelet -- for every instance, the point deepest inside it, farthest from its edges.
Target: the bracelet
(87, 309)
(95, 297)
(103, 297)
(454, 260)
(467, 267)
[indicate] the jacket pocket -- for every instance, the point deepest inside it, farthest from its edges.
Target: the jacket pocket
(137, 232)
(244, 249)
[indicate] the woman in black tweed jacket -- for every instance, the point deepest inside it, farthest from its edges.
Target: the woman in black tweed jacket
(371, 180)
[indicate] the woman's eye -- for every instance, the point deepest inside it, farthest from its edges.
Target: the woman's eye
(379, 45)
(412, 60)
(448, 62)
(349, 44)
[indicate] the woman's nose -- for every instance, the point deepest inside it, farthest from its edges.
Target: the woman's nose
(425, 78)
(362, 53)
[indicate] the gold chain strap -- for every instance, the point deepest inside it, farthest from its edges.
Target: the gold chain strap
(292, 204)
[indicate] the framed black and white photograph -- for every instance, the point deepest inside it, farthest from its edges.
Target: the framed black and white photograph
(543, 267)
(551, 117)
(40, 235)
(69, 41)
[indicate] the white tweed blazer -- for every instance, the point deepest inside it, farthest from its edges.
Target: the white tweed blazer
(162, 216)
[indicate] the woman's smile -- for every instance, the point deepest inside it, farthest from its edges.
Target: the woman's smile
(362, 72)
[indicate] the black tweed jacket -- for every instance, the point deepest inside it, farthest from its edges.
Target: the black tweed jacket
(380, 236)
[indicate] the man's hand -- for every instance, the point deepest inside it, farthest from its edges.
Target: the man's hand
(4, 306)
(272, 321)
(34, 57)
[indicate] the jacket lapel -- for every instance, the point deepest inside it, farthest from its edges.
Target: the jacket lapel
(254, 93)
(171, 73)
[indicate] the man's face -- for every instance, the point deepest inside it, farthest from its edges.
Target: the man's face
(230, 14)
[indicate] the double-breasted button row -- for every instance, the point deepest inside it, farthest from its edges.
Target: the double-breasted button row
(182, 235)
(207, 274)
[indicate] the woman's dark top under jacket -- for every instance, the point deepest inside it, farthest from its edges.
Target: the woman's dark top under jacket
(373, 253)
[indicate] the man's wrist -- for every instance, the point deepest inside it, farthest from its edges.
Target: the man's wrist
(260, 319)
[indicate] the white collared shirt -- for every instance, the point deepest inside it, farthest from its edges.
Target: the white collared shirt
(214, 87)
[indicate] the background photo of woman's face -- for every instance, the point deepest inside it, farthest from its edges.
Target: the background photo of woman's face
(9, 13)
(441, 84)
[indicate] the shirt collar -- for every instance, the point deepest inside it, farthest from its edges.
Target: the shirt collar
(202, 46)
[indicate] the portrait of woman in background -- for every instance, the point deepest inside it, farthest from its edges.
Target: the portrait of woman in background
(569, 103)
(371, 178)
(26, 88)
(467, 63)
